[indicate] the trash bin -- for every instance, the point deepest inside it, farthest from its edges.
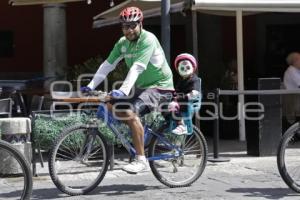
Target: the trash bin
(15, 130)
(263, 136)
(9, 164)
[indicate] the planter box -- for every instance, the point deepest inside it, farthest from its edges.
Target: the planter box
(48, 125)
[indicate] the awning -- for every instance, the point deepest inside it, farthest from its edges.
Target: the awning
(248, 5)
(150, 8)
(36, 2)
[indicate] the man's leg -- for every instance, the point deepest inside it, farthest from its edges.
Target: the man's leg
(135, 125)
(137, 129)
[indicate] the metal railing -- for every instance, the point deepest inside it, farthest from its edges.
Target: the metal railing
(220, 92)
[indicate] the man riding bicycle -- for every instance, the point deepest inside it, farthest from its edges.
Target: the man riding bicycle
(148, 71)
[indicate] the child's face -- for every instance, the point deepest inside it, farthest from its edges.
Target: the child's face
(185, 68)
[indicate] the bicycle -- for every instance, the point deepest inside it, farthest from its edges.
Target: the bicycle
(79, 158)
(19, 176)
(288, 160)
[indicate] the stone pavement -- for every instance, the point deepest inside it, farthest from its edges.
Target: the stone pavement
(243, 177)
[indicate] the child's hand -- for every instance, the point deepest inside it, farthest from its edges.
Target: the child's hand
(173, 106)
(193, 94)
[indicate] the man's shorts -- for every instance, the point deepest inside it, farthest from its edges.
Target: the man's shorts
(143, 101)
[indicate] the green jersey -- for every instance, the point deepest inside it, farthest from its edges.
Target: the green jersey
(148, 53)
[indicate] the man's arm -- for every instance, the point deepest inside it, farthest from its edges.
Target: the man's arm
(294, 77)
(131, 77)
(104, 69)
(143, 55)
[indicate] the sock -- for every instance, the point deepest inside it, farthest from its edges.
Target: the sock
(143, 158)
(181, 122)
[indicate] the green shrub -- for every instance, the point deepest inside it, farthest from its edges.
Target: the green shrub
(46, 128)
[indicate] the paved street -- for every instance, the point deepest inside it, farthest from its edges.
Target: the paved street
(243, 177)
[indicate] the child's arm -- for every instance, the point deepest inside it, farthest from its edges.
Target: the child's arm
(196, 90)
(194, 87)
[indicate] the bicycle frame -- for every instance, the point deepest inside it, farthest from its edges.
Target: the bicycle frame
(109, 119)
(175, 170)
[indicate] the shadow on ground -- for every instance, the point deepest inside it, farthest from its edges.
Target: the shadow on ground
(268, 193)
(108, 190)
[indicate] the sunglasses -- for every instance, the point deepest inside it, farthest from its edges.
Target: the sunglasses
(130, 25)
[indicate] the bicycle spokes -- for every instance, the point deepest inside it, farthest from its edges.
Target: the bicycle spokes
(79, 154)
(182, 164)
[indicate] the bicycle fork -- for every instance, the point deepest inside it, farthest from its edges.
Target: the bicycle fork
(87, 145)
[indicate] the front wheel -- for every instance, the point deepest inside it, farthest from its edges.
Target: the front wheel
(182, 170)
(288, 157)
(15, 173)
(78, 160)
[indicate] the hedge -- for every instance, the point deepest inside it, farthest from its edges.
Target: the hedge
(46, 127)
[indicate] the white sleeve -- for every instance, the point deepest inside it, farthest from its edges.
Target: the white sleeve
(295, 77)
(292, 78)
(131, 77)
(101, 73)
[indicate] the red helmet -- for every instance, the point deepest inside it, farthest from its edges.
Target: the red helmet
(131, 14)
(185, 56)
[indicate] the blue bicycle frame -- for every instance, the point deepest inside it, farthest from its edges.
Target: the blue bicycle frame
(111, 122)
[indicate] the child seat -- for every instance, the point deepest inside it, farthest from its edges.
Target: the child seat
(193, 107)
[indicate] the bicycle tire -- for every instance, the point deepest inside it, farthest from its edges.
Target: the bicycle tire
(89, 163)
(24, 166)
(286, 157)
(159, 167)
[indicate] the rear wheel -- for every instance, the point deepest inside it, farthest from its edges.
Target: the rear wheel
(78, 160)
(182, 170)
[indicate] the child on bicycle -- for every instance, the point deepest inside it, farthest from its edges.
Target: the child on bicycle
(188, 88)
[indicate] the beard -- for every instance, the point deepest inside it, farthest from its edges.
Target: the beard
(132, 36)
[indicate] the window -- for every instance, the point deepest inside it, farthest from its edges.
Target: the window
(280, 41)
(6, 44)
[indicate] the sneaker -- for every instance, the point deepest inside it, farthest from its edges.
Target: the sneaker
(136, 166)
(180, 130)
